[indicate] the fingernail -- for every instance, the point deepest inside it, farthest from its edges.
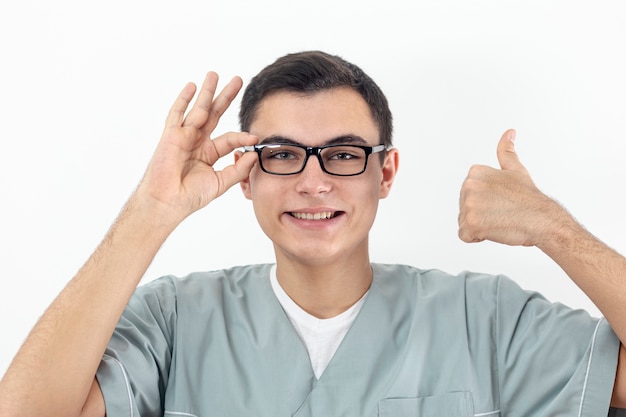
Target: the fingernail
(512, 135)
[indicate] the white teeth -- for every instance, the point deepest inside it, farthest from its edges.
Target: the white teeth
(313, 216)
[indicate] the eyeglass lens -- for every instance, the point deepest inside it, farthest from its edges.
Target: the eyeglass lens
(340, 160)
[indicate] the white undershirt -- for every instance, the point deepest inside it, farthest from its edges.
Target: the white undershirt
(321, 337)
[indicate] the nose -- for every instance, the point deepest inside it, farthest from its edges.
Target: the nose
(313, 180)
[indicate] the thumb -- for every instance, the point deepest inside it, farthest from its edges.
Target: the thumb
(507, 157)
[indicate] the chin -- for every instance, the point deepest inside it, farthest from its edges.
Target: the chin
(309, 254)
(320, 254)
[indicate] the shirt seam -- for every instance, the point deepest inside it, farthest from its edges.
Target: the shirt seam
(497, 338)
(584, 390)
(179, 413)
(126, 382)
(489, 413)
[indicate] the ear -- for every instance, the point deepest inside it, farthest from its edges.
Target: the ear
(389, 170)
(245, 183)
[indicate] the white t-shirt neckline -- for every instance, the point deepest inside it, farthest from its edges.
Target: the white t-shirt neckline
(321, 337)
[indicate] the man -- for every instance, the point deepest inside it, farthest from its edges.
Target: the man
(323, 332)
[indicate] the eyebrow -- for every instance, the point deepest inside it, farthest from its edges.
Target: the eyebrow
(343, 139)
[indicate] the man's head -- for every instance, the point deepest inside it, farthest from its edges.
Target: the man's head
(311, 72)
(312, 100)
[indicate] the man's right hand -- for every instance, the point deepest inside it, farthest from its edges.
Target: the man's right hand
(180, 178)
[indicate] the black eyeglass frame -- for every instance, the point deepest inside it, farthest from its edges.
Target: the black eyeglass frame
(317, 151)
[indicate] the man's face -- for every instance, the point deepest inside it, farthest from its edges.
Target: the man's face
(343, 207)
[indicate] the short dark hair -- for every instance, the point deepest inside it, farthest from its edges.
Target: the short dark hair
(310, 72)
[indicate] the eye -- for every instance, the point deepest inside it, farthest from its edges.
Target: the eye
(281, 153)
(344, 154)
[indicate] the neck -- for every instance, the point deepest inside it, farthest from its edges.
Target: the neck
(325, 290)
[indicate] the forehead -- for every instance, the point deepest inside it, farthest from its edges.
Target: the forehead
(316, 118)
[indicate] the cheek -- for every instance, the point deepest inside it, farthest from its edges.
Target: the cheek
(363, 196)
(374, 179)
(371, 195)
(262, 191)
(255, 181)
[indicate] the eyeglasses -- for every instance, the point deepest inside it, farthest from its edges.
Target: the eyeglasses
(341, 160)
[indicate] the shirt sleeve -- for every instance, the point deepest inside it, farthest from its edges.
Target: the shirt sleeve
(134, 371)
(552, 360)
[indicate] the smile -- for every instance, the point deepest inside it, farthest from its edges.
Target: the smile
(314, 216)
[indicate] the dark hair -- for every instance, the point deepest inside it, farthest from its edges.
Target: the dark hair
(310, 72)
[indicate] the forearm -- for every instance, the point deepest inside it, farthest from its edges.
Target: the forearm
(596, 268)
(54, 370)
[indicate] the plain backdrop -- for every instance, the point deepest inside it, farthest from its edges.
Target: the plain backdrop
(85, 88)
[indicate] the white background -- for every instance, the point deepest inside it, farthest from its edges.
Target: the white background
(85, 88)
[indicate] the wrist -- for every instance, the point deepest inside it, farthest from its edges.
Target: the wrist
(560, 232)
(145, 218)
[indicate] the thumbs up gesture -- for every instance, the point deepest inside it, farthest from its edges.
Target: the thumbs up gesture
(504, 205)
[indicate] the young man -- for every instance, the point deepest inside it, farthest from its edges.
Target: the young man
(323, 331)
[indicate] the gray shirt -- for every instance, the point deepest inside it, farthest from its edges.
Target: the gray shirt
(425, 343)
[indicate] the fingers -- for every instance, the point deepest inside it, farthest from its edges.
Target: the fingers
(206, 111)
(240, 170)
(232, 174)
(198, 114)
(222, 103)
(470, 229)
(177, 113)
(468, 220)
(507, 157)
(226, 143)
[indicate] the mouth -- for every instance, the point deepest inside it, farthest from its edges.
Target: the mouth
(322, 215)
